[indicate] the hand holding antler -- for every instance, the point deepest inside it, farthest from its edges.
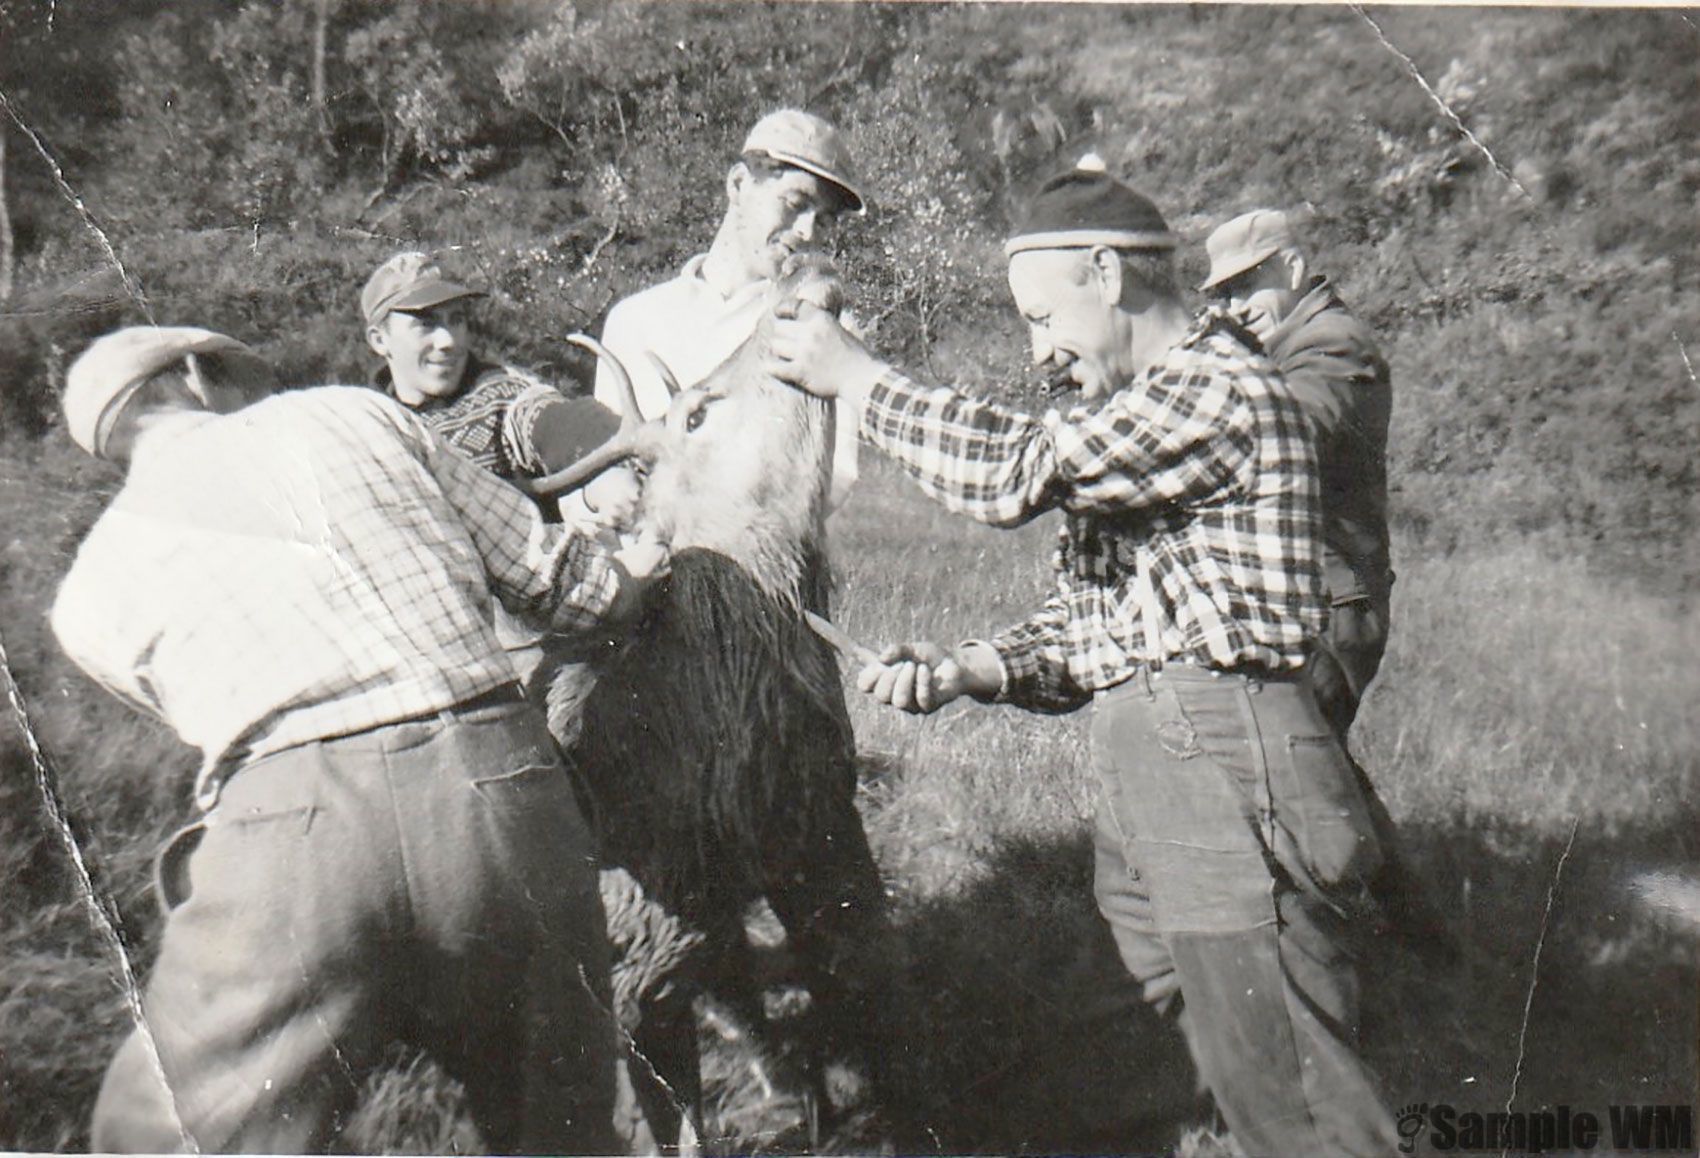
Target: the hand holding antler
(627, 441)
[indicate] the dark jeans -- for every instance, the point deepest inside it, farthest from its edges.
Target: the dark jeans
(1342, 664)
(430, 881)
(1234, 851)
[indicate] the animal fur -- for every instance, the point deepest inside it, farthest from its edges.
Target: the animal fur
(714, 746)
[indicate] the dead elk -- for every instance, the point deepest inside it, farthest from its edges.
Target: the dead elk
(714, 746)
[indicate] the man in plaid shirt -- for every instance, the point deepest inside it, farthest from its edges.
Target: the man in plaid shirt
(1232, 842)
(389, 845)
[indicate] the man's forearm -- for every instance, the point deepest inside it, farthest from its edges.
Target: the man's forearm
(994, 465)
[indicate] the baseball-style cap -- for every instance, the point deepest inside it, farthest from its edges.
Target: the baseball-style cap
(105, 375)
(1085, 206)
(409, 281)
(1244, 242)
(805, 141)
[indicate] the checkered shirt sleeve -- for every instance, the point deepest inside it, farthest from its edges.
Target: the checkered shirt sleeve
(564, 580)
(1201, 472)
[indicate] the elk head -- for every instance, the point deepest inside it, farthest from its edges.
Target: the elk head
(742, 462)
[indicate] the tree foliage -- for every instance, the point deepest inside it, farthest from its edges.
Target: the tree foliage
(1504, 194)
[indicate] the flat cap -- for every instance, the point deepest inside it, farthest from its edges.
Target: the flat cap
(1241, 244)
(409, 281)
(105, 375)
(1085, 206)
(810, 143)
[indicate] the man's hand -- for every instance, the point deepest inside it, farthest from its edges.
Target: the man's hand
(809, 349)
(639, 567)
(648, 558)
(923, 677)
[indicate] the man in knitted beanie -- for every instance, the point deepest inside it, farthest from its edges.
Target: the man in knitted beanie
(1233, 846)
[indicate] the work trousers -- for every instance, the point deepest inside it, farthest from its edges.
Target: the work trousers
(1234, 851)
(429, 881)
(1342, 664)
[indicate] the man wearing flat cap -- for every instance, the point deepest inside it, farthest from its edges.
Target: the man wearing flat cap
(1331, 363)
(792, 181)
(1231, 840)
(418, 320)
(388, 845)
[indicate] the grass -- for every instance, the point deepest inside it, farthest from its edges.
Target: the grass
(1532, 731)
(1529, 712)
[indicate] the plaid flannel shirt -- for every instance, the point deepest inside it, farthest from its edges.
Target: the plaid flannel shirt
(1201, 473)
(315, 565)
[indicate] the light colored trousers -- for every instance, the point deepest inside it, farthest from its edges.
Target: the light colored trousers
(429, 881)
(1234, 850)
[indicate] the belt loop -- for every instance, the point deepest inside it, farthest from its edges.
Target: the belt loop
(1146, 675)
(1145, 594)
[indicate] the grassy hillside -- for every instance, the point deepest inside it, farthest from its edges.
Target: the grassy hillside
(1527, 714)
(1507, 195)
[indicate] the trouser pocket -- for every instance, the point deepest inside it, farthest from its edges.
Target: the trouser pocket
(1325, 838)
(520, 789)
(171, 866)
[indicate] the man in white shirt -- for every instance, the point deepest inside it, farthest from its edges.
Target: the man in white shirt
(784, 195)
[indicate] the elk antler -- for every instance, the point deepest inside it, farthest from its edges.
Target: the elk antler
(665, 372)
(623, 444)
(622, 380)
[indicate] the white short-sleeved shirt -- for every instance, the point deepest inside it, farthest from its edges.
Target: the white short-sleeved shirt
(693, 327)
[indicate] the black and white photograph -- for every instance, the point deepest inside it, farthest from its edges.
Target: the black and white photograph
(831, 577)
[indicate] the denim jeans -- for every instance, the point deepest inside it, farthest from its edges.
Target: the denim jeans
(1234, 851)
(1342, 664)
(429, 881)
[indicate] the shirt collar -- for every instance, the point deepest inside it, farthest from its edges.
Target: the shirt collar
(381, 380)
(693, 272)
